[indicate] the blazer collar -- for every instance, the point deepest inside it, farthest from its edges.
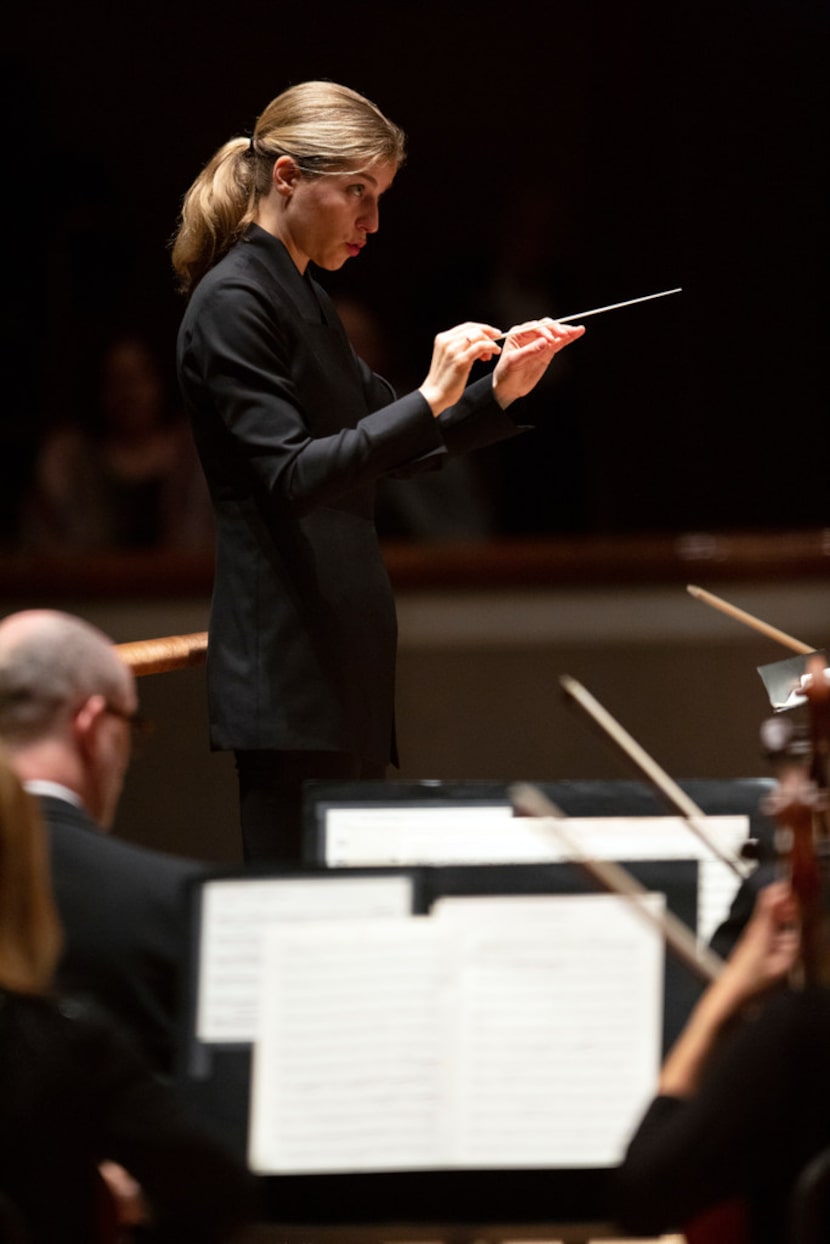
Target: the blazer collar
(302, 290)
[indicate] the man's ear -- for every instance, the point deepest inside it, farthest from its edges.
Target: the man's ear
(87, 722)
(286, 174)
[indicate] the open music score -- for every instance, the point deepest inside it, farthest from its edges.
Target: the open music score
(498, 1032)
(235, 912)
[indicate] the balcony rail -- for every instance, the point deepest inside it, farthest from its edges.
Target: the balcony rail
(549, 561)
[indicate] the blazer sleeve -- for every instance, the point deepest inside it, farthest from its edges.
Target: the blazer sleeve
(243, 361)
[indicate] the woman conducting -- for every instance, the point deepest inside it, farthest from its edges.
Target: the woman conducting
(294, 431)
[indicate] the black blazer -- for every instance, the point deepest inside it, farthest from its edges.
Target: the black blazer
(124, 916)
(294, 430)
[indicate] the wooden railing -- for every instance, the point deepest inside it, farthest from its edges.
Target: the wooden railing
(27, 581)
(159, 656)
(541, 562)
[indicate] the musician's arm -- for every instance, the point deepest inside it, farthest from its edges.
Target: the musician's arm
(763, 957)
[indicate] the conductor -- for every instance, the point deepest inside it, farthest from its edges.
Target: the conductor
(294, 431)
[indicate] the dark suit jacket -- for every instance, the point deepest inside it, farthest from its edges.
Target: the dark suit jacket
(293, 431)
(123, 911)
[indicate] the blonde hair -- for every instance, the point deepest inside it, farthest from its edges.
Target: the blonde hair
(324, 127)
(30, 934)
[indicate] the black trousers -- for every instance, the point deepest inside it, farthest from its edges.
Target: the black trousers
(271, 797)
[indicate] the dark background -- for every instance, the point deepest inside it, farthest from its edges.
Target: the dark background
(608, 150)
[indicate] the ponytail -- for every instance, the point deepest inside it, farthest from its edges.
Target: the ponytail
(216, 210)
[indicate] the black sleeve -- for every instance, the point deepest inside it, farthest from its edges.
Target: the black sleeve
(688, 1155)
(241, 350)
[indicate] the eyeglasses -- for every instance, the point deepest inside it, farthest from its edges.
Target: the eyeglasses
(140, 726)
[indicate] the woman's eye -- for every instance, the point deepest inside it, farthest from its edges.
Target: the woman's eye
(357, 191)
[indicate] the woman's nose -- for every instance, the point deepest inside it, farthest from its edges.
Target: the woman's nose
(369, 220)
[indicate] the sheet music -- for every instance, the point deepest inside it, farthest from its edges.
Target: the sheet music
(352, 1067)
(663, 838)
(558, 1070)
(367, 836)
(504, 1033)
(411, 836)
(236, 911)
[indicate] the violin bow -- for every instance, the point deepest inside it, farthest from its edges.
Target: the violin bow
(528, 800)
(740, 615)
(672, 794)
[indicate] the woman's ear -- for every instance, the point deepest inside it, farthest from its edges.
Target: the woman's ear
(286, 174)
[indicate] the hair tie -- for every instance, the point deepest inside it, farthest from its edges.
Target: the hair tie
(251, 150)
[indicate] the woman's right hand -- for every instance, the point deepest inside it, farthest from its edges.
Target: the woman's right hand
(453, 355)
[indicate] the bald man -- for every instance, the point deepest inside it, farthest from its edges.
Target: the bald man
(67, 704)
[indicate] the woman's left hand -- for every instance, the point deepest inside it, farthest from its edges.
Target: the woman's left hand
(526, 354)
(768, 947)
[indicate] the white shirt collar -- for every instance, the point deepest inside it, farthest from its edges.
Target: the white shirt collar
(40, 786)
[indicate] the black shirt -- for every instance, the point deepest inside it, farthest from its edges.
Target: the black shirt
(761, 1114)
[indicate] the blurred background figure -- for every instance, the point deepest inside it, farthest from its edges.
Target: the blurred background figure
(522, 268)
(123, 474)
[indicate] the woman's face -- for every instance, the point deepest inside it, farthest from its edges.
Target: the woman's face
(327, 219)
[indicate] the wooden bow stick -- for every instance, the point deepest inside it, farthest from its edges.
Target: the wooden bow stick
(740, 615)
(672, 794)
(530, 801)
(159, 656)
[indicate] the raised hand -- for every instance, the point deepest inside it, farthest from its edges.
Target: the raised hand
(526, 355)
(453, 355)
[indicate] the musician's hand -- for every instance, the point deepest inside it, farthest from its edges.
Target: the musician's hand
(765, 952)
(453, 355)
(768, 947)
(815, 683)
(128, 1201)
(526, 356)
